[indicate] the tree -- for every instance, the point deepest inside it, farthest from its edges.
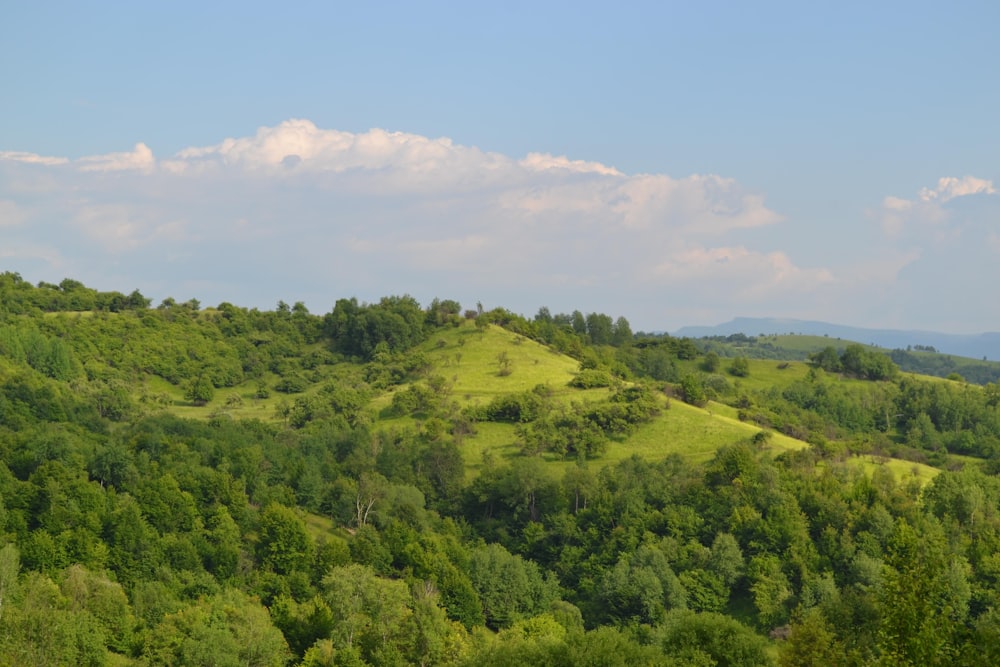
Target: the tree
(10, 566)
(771, 590)
(924, 600)
(136, 301)
(372, 488)
(811, 643)
(543, 315)
(43, 630)
(622, 333)
(304, 623)
(693, 391)
(726, 558)
(740, 367)
(105, 600)
(504, 363)
(641, 587)
(710, 363)
(285, 545)
(227, 629)
(200, 390)
(369, 612)
(827, 359)
(693, 637)
(431, 639)
(510, 587)
(599, 328)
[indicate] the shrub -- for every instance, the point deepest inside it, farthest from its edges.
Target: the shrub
(590, 378)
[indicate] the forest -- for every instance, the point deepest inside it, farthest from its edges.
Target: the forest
(393, 483)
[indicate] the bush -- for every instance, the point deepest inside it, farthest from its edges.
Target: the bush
(199, 391)
(591, 378)
(291, 384)
(710, 363)
(740, 367)
(692, 391)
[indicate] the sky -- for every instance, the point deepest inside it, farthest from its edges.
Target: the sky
(675, 163)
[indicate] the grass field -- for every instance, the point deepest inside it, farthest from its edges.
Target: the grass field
(469, 358)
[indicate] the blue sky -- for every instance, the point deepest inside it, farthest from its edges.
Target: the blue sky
(675, 163)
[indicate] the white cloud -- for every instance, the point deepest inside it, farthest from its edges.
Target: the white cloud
(929, 208)
(140, 158)
(937, 246)
(299, 207)
(298, 145)
(745, 272)
(950, 187)
(32, 158)
(543, 161)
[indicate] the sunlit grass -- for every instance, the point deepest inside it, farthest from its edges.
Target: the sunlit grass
(468, 357)
(903, 471)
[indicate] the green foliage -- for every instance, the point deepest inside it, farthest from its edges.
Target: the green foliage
(199, 390)
(693, 390)
(378, 526)
(370, 610)
(285, 545)
(827, 359)
(711, 363)
(591, 378)
(930, 362)
(514, 408)
(868, 364)
(291, 384)
(693, 637)
(740, 367)
(641, 587)
(584, 430)
(45, 629)
(49, 356)
(229, 628)
(358, 329)
(510, 587)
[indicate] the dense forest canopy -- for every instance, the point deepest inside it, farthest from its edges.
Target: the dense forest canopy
(390, 483)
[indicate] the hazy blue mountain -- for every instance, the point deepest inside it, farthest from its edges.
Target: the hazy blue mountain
(976, 346)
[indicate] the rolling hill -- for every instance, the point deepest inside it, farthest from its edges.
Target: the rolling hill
(975, 346)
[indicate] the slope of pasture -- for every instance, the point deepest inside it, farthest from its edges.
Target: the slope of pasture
(469, 357)
(902, 471)
(694, 433)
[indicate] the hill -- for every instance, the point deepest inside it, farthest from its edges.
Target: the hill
(391, 483)
(975, 346)
(920, 360)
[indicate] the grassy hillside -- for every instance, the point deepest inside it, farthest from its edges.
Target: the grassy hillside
(466, 356)
(922, 361)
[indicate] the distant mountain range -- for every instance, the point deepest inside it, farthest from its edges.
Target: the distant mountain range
(975, 346)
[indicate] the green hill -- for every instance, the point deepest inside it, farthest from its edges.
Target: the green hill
(391, 484)
(922, 360)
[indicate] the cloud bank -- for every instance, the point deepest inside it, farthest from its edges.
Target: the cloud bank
(300, 212)
(950, 236)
